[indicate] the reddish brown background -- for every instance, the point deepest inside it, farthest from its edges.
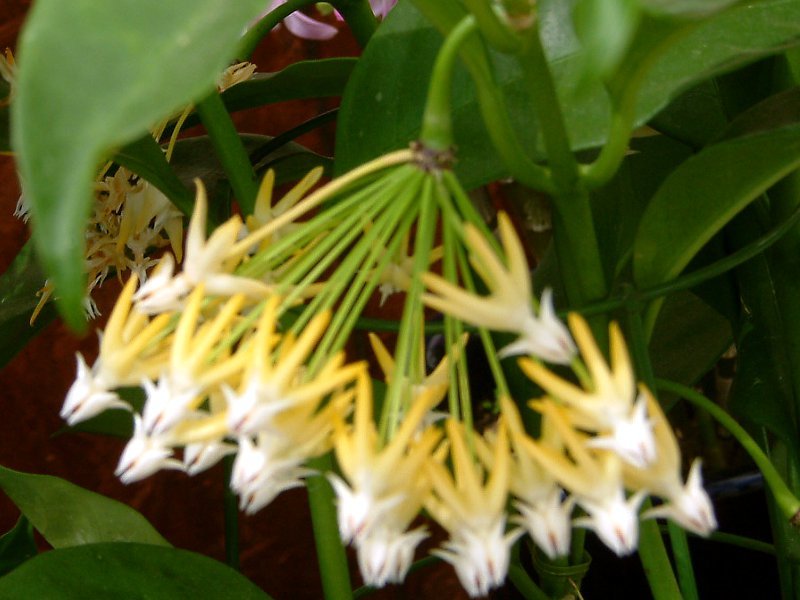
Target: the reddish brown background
(277, 549)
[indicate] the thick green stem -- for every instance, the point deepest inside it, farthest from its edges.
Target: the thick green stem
(437, 125)
(268, 22)
(330, 552)
(652, 551)
(230, 150)
(784, 498)
(359, 17)
(231, 516)
(540, 85)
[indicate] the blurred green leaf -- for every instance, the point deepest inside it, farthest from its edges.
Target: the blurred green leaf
(774, 112)
(703, 194)
(383, 103)
(605, 28)
(68, 515)
(17, 546)
(126, 571)
(18, 287)
(685, 8)
(92, 76)
(695, 118)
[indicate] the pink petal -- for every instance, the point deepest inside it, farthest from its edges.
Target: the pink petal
(305, 27)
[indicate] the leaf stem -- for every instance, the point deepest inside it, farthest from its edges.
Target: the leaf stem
(230, 150)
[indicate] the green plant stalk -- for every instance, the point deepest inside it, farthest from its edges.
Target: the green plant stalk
(524, 584)
(494, 30)
(330, 552)
(437, 125)
(412, 310)
(267, 23)
(652, 551)
(683, 561)
(230, 150)
(231, 516)
(540, 85)
(359, 17)
(445, 15)
(784, 497)
(739, 541)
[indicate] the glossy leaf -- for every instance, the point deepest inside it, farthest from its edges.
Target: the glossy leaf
(115, 68)
(17, 546)
(382, 106)
(684, 8)
(605, 28)
(68, 515)
(703, 194)
(18, 287)
(126, 571)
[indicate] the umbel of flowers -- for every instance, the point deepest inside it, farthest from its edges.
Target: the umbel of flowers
(241, 351)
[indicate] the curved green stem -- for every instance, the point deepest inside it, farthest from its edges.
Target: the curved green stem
(268, 22)
(437, 125)
(230, 150)
(359, 18)
(608, 162)
(493, 29)
(445, 15)
(784, 498)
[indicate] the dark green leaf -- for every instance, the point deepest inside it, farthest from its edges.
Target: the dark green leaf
(92, 76)
(703, 194)
(17, 546)
(688, 339)
(305, 79)
(126, 571)
(68, 515)
(684, 8)
(18, 287)
(696, 117)
(775, 112)
(145, 158)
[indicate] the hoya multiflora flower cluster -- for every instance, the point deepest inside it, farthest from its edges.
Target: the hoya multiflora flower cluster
(130, 218)
(241, 352)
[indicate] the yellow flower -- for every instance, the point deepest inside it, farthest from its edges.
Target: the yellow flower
(273, 384)
(594, 477)
(609, 405)
(509, 305)
(686, 504)
(473, 512)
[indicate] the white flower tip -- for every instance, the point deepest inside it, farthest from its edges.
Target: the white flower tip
(691, 508)
(385, 556)
(632, 439)
(548, 523)
(87, 397)
(615, 521)
(143, 456)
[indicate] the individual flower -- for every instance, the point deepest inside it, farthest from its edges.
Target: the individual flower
(206, 261)
(274, 463)
(594, 478)
(200, 456)
(399, 271)
(128, 353)
(382, 485)
(687, 504)
(608, 403)
(544, 511)
(144, 455)
(234, 74)
(273, 381)
(509, 305)
(473, 512)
